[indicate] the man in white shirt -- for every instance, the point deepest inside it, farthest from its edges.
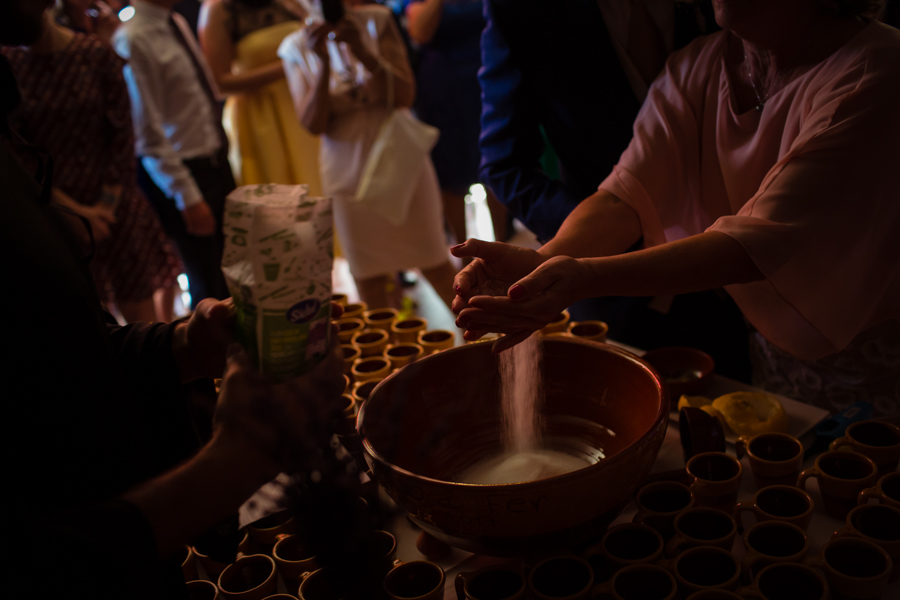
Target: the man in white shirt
(183, 166)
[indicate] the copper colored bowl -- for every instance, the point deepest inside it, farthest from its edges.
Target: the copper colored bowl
(426, 423)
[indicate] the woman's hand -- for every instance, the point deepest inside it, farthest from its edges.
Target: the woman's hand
(101, 218)
(530, 303)
(317, 39)
(346, 31)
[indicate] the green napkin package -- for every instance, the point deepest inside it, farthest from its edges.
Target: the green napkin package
(277, 262)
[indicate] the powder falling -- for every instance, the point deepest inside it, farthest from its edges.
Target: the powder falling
(521, 395)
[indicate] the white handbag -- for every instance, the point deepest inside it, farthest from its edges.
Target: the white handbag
(392, 168)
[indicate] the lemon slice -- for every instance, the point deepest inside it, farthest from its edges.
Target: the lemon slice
(693, 401)
(751, 413)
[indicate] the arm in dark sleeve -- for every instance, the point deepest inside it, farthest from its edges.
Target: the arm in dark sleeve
(145, 355)
(511, 142)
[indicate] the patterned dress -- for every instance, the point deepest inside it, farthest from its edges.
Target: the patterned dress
(75, 105)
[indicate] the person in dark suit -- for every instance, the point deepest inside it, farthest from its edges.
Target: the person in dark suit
(573, 75)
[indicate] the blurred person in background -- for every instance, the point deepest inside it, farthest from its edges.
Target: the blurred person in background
(448, 33)
(240, 39)
(338, 79)
(75, 105)
(182, 148)
(89, 16)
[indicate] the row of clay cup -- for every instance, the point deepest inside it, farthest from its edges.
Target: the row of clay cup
(562, 325)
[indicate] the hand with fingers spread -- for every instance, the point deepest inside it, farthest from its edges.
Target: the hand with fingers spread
(496, 267)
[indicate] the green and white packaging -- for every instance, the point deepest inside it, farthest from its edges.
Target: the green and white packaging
(277, 262)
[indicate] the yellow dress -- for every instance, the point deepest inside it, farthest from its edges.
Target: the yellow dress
(268, 144)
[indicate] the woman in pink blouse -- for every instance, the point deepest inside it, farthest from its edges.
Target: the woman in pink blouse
(763, 160)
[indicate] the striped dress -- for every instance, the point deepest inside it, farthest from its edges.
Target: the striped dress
(75, 105)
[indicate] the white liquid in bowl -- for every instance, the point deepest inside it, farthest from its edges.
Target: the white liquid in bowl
(519, 467)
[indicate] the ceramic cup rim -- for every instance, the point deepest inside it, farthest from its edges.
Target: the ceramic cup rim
(790, 489)
(664, 484)
(440, 585)
(777, 525)
(369, 315)
(247, 557)
(844, 454)
(848, 433)
(855, 540)
(699, 549)
(793, 565)
(867, 507)
(736, 477)
(779, 434)
(469, 576)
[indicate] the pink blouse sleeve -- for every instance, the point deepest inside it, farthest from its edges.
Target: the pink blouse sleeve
(824, 227)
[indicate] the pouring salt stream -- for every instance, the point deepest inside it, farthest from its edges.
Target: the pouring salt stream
(524, 458)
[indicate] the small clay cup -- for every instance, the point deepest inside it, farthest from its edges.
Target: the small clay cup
(639, 582)
(705, 568)
(498, 582)
(351, 354)
(697, 527)
(212, 567)
(879, 440)
(684, 370)
(380, 318)
(594, 331)
(787, 581)
(406, 331)
(382, 546)
(347, 383)
(249, 578)
(355, 310)
(842, 476)
(348, 327)
(886, 491)
(878, 524)
(293, 558)
(371, 342)
(266, 530)
(559, 577)
(717, 479)
(856, 569)
(419, 579)
(362, 390)
(315, 586)
(775, 458)
(628, 544)
(659, 503)
(188, 563)
(340, 299)
(778, 503)
(557, 325)
(435, 340)
(402, 354)
(199, 589)
(699, 432)
(372, 368)
(771, 542)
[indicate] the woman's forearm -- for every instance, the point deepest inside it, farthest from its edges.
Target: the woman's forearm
(601, 225)
(701, 262)
(250, 80)
(315, 111)
(404, 84)
(423, 20)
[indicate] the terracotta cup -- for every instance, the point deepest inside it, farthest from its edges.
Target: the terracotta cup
(371, 342)
(557, 325)
(339, 299)
(705, 568)
(351, 354)
(417, 579)
(886, 491)
(787, 581)
(212, 567)
(625, 545)
(639, 582)
(558, 577)
(775, 458)
(202, 590)
(714, 595)
(435, 340)
(659, 503)
(879, 440)
(406, 331)
(314, 586)
(697, 527)
(380, 318)
(293, 558)
(355, 310)
(594, 331)
(717, 479)
(249, 578)
(778, 503)
(188, 563)
(347, 383)
(372, 368)
(249, 545)
(878, 524)
(402, 354)
(382, 547)
(498, 582)
(362, 390)
(348, 327)
(855, 568)
(771, 542)
(842, 476)
(266, 530)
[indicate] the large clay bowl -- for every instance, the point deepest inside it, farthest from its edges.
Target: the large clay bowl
(429, 421)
